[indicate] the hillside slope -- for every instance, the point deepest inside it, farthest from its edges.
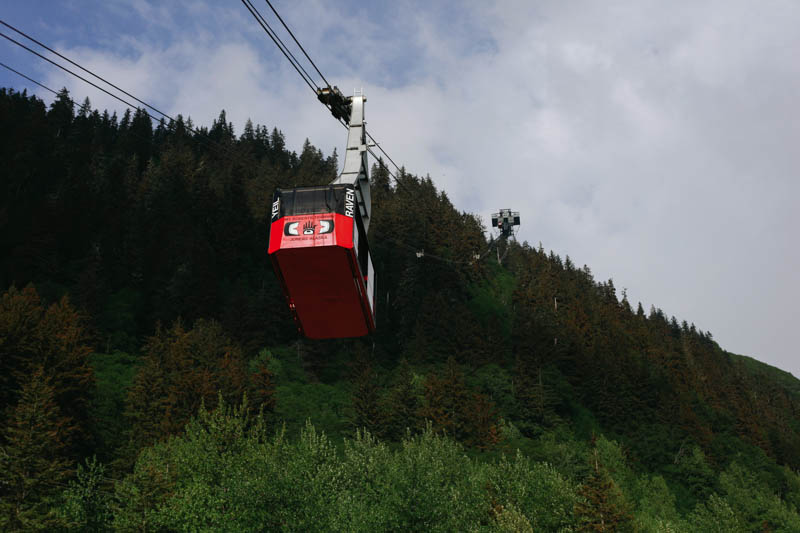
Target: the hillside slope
(149, 295)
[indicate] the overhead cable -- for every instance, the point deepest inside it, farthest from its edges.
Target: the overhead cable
(43, 86)
(65, 69)
(383, 151)
(298, 42)
(29, 79)
(285, 50)
(382, 164)
(200, 134)
(279, 43)
(293, 60)
(123, 91)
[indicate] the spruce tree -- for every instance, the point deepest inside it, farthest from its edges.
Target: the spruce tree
(402, 403)
(482, 423)
(32, 463)
(262, 389)
(51, 340)
(182, 369)
(368, 411)
(603, 506)
(446, 400)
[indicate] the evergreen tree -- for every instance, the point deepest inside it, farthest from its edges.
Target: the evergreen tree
(402, 404)
(50, 340)
(535, 397)
(603, 506)
(482, 423)
(61, 114)
(446, 396)
(368, 411)
(182, 369)
(262, 387)
(32, 460)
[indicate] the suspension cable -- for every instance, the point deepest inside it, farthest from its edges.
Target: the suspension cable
(200, 134)
(72, 101)
(18, 73)
(293, 60)
(279, 43)
(126, 93)
(65, 69)
(383, 165)
(298, 43)
(383, 152)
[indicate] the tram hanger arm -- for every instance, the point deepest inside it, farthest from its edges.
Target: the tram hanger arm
(356, 165)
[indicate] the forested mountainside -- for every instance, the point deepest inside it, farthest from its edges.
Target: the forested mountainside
(151, 378)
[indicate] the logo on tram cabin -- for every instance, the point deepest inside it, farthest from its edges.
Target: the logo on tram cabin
(292, 229)
(349, 203)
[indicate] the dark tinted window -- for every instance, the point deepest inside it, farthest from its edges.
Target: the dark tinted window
(310, 200)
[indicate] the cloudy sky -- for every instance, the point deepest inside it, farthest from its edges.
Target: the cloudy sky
(656, 142)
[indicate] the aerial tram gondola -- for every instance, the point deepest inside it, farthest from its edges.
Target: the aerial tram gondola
(318, 240)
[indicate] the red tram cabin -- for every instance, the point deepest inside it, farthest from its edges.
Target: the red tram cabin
(319, 249)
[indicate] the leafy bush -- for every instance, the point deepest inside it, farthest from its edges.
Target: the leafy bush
(226, 473)
(536, 490)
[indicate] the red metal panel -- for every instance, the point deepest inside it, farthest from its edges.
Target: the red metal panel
(320, 277)
(304, 231)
